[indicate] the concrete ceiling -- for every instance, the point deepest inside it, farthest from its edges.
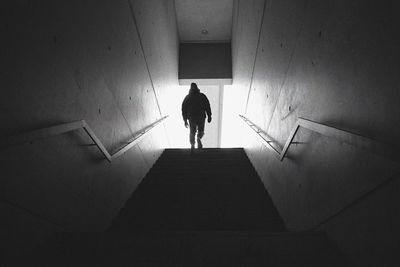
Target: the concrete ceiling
(195, 16)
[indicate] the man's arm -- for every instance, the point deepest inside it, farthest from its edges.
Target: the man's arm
(208, 107)
(184, 111)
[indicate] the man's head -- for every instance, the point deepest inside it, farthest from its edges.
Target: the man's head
(193, 88)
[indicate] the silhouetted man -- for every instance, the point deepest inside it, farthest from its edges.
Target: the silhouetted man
(195, 106)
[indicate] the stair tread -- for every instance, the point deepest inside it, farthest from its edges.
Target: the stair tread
(209, 208)
(185, 191)
(194, 248)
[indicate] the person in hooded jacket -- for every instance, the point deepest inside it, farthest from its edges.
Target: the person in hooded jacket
(195, 107)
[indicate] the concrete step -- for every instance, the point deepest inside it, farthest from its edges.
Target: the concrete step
(190, 248)
(209, 160)
(203, 154)
(207, 208)
(176, 196)
(230, 151)
(203, 177)
(188, 167)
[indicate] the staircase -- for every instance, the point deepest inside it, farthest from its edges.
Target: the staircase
(207, 208)
(210, 190)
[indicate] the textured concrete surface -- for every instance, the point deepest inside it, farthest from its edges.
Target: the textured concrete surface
(332, 62)
(244, 45)
(156, 21)
(67, 61)
(194, 16)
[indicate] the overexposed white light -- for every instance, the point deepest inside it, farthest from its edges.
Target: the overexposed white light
(177, 133)
(231, 124)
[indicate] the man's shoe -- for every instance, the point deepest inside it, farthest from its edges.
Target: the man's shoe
(192, 149)
(199, 144)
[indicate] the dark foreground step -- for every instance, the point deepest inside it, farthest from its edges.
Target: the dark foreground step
(194, 193)
(185, 248)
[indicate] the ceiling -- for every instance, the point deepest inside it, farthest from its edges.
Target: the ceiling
(204, 20)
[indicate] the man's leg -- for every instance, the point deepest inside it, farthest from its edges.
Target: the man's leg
(192, 126)
(200, 133)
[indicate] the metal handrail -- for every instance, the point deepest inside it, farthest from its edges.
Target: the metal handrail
(261, 135)
(71, 126)
(341, 135)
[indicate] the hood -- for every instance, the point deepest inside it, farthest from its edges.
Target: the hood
(194, 89)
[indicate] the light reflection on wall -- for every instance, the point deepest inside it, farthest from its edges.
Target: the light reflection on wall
(177, 133)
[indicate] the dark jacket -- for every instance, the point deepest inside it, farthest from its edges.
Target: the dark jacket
(195, 105)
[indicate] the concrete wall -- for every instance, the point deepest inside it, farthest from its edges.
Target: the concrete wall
(334, 62)
(70, 60)
(205, 61)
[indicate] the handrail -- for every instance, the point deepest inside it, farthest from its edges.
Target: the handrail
(341, 135)
(261, 135)
(71, 126)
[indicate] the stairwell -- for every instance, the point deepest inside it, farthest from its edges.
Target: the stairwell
(207, 208)
(212, 189)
